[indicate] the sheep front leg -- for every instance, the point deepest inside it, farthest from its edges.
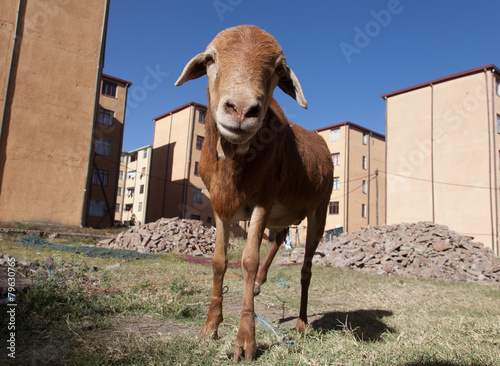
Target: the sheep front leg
(219, 266)
(245, 341)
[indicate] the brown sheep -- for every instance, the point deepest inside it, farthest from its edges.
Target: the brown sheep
(257, 165)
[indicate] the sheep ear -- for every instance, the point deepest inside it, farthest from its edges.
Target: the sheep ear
(193, 70)
(290, 85)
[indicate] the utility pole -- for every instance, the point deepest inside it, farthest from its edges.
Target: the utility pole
(376, 195)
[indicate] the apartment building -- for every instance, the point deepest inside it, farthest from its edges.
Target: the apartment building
(175, 185)
(102, 185)
(358, 195)
(443, 153)
(51, 57)
(133, 186)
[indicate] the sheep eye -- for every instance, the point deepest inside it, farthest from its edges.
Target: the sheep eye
(280, 70)
(209, 60)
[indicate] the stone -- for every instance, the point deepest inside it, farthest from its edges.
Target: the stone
(49, 263)
(441, 245)
(413, 250)
(105, 242)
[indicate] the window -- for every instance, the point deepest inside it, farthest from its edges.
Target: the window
(336, 159)
(201, 116)
(97, 208)
(141, 189)
(335, 134)
(145, 154)
(133, 158)
(117, 207)
(498, 123)
(497, 83)
(128, 207)
(100, 176)
(129, 192)
(109, 88)
(103, 147)
(363, 210)
(336, 183)
(333, 208)
(106, 117)
(364, 162)
(139, 207)
(122, 158)
(131, 174)
(197, 195)
(365, 186)
(365, 138)
(121, 174)
(196, 171)
(199, 142)
(195, 217)
(143, 172)
(119, 191)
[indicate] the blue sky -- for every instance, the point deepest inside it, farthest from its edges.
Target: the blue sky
(346, 53)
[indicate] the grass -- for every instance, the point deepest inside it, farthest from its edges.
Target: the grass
(156, 307)
(46, 227)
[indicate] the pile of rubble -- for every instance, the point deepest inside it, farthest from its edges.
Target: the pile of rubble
(414, 250)
(422, 250)
(166, 235)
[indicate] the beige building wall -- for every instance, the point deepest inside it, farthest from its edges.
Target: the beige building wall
(176, 189)
(133, 185)
(409, 174)
(361, 158)
(48, 80)
(443, 154)
(107, 145)
(337, 220)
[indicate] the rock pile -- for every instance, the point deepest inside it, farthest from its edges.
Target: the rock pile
(413, 250)
(166, 235)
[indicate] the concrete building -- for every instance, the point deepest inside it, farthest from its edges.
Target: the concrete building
(175, 186)
(51, 57)
(443, 147)
(358, 196)
(106, 152)
(133, 185)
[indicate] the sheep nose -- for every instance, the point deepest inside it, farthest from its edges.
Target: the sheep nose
(240, 111)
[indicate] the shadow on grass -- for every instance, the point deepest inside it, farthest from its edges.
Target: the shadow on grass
(366, 325)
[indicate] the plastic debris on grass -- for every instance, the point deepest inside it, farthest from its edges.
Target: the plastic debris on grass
(35, 241)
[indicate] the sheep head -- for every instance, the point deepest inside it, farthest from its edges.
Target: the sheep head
(244, 65)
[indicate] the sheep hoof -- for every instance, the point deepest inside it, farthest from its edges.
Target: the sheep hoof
(256, 289)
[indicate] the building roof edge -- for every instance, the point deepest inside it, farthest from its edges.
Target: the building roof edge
(180, 108)
(348, 123)
(116, 79)
(443, 79)
(138, 149)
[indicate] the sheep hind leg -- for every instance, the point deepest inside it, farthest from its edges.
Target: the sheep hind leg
(266, 263)
(315, 228)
